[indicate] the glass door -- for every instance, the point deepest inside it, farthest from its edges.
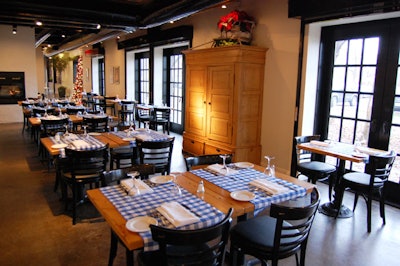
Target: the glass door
(359, 92)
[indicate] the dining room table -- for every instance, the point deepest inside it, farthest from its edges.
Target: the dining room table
(118, 208)
(114, 139)
(343, 152)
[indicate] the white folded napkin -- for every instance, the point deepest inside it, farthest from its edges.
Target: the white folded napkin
(268, 186)
(127, 185)
(319, 143)
(367, 150)
(80, 144)
(177, 214)
(219, 169)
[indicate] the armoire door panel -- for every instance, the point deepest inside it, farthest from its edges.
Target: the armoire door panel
(219, 129)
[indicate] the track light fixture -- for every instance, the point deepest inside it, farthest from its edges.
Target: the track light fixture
(14, 30)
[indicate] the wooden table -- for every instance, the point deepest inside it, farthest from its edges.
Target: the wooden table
(214, 195)
(343, 152)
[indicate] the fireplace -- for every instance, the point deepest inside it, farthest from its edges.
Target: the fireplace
(12, 87)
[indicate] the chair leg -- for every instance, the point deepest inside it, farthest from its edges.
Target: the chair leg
(74, 202)
(113, 248)
(233, 256)
(369, 210)
(129, 257)
(355, 200)
(382, 206)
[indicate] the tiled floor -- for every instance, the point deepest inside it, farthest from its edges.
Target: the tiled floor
(35, 230)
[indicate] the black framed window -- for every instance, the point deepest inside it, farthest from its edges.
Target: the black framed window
(142, 77)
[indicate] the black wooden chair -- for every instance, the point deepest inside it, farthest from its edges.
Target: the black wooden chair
(123, 157)
(205, 160)
(85, 167)
(282, 234)
(126, 114)
(26, 113)
(96, 124)
(161, 117)
(204, 246)
(312, 169)
(158, 153)
(144, 115)
(371, 183)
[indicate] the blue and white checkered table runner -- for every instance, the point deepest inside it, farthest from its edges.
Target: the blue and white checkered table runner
(154, 136)
(93, 142)
(241, 180)
(131, 207)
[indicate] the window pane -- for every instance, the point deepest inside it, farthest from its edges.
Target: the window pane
(355, 50)
(338, 78)
(371, 47)
(352, 78)
(367, 79)
(365, 107)
(347, 134)
(341, 52)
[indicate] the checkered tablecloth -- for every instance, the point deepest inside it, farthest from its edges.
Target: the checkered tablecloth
(93, 142)
(150, 135)
(241, 180)
(145, 204)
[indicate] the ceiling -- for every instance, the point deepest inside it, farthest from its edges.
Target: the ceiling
(68, 20)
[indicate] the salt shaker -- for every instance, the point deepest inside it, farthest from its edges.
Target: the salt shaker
(200, 190)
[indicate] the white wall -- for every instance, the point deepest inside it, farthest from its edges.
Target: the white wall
(281, 35)
(17, 53)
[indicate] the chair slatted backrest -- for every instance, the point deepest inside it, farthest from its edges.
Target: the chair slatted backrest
(145, 170)
(293, 225)
(205, 160)
(115, 176)
(303, 155)
(87, 164)
(161, 115)
(96, 124)
(379, 167)
(158, 153)
(204, 246)
(51, 126)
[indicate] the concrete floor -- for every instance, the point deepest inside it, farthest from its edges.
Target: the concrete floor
(35, 229)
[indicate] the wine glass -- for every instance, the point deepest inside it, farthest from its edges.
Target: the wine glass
(66, 130)
(176, 190)
(85, 130)
(147, 126)
(224, 156)
(270, 169)
(134, 188)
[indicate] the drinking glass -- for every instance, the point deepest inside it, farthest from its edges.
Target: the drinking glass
(85, 131)
(135, 189)
(66, 130)
(224, 156)
(176, 190)
(270, 169)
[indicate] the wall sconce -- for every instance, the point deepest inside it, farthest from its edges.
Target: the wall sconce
(14, 30)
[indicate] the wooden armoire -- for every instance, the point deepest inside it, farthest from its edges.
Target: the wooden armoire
(224, 96)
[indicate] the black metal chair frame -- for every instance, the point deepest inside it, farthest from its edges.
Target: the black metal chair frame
(282, 234)
(84, 167)
(205, 160)
(161, 117)
(204, 246)
(158, 153)
(314, 170)
(370, 183)
(96, 124)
